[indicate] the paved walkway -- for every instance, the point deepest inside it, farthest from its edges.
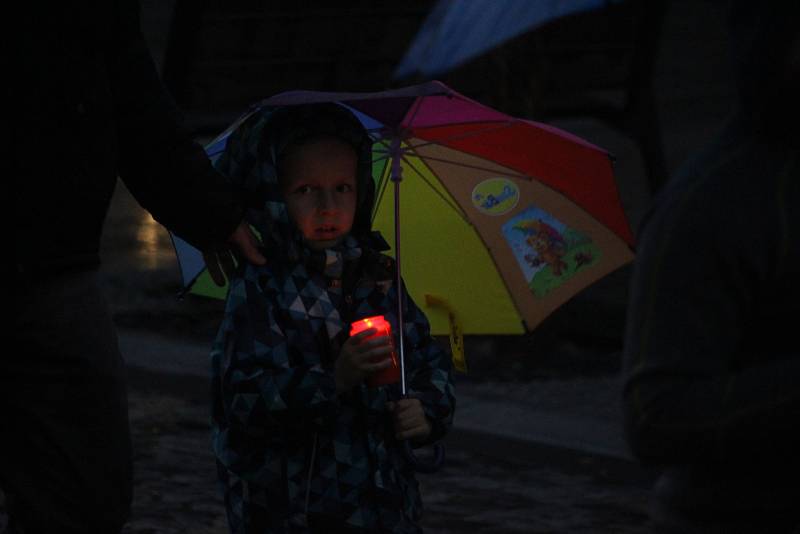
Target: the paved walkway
(515, 462)
(578, 414)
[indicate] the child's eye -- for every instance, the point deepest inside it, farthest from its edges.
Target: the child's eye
(303, 189)
(344, 188)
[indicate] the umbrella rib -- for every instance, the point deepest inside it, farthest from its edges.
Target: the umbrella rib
(446, 200)
(415, 107)
(382, 147)
(382, 189)
(463, 135)
(512, 173)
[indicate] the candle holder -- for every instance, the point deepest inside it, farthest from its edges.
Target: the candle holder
(390, 375)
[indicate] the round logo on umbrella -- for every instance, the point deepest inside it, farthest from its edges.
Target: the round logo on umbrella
(495, 196)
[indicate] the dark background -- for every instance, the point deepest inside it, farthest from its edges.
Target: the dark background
(533, 410)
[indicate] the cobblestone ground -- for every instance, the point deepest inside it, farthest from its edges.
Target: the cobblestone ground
(174, 480)
(487, 486)
(484, 493)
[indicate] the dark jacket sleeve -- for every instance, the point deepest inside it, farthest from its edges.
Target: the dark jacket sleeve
(167, 172)
(430, 376)
(697, 389)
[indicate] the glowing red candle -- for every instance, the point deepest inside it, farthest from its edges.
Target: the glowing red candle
(391, 374)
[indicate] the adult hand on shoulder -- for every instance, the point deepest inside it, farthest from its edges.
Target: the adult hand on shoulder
(220, 260)
(409, 420)
(361, 357)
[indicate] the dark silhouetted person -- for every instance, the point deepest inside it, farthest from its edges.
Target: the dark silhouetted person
(84, 105)
(712, 362)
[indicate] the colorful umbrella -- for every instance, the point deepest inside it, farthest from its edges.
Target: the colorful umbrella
(501, 219)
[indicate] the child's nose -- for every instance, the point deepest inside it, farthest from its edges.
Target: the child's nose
(327, 202)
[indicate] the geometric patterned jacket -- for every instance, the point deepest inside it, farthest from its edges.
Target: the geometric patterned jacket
(291, 451)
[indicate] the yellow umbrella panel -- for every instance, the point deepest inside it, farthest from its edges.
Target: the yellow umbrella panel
(443, 255)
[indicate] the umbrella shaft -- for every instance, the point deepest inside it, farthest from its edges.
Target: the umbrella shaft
(397, 176)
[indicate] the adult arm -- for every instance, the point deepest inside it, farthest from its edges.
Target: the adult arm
(167, 172)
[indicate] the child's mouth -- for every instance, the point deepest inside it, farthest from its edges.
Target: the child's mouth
(326, 232)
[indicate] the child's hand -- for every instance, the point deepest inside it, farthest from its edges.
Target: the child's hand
(409, 420)
(359, 358)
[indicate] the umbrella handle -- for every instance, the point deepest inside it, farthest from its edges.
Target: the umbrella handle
(425, 467)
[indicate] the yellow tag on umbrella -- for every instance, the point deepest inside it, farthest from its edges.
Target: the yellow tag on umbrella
(456, 332)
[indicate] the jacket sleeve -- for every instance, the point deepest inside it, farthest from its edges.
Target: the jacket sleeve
(264, 380)
(166, 171)
(430, 370)
(686, 399)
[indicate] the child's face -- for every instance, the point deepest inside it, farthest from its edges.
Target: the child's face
(319, 187)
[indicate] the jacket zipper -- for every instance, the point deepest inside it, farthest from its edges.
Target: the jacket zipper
(311, 472)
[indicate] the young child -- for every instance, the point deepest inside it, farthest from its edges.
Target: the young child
(302, 443)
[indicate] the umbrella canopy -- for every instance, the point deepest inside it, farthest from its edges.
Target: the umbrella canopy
(502, 219)
(456, 31)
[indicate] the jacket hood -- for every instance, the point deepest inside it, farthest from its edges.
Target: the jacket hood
(252, 156)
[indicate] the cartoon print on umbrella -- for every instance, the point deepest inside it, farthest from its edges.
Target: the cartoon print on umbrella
(548, 251)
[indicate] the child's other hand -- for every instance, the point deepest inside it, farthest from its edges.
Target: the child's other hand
(409, 420)
(360, 357)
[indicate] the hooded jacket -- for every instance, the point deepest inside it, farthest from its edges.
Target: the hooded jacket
(291, 450)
